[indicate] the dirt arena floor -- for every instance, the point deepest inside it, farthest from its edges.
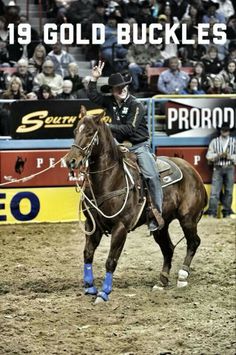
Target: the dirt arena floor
(43, 309)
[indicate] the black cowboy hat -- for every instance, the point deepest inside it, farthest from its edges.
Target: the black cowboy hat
(116, 80)
(225, 127)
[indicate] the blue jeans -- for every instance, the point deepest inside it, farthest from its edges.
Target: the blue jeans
(223, 177)
(150, 172)
(135, 72)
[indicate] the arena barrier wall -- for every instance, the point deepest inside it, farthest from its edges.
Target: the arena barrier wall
(50, 196)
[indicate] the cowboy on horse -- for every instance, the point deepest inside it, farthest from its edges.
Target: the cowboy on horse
(129, 126)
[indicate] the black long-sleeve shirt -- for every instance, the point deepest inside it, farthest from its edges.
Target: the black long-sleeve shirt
(128, 120)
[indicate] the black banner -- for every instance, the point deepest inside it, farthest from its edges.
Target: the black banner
(47, 119)
(192, 117)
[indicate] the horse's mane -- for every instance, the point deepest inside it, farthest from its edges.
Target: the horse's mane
(109, 141)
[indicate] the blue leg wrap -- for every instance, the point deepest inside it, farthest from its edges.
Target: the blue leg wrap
(107, 283)
(103, 295)
(88, 275)
(90, 290)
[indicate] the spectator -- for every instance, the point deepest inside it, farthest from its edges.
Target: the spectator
(229, 76)
(140, 56)
(45, 93)
(211, 61)
(83, 93)
(203, 79)
(110, 49)
(222, 154)
(73, 75)
(25, 76)
(194, 52)
(4, 55)
(218, 86)
(15, 90)
(231, 27)
(60, 59)
(144, 14)
(98, 16)
(172, 80)
(29, 49)
(79, 11)
(212, 8)
(12, 12)
(178, 7)
(38, 58)
(67, 91)
(226, 8)
(49, 77)
(193, 88)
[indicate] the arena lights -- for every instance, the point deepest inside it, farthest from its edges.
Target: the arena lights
(67, 34)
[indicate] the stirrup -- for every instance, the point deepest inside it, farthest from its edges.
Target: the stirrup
(158, 218)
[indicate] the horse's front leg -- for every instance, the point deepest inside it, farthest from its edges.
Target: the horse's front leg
(118, 239)
(92, 242)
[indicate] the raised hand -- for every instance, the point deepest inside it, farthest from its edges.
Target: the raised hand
(97, 70)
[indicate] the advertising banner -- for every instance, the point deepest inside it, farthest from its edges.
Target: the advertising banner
(191, 117)
(47, 119)
(38, 205)
(34, 168)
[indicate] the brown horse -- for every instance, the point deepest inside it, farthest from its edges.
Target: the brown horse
(111, 199)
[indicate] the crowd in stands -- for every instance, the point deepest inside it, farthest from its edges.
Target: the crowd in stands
(37, 71)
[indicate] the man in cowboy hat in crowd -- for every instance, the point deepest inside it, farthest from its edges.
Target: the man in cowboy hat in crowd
(129, 124)
(222, 153)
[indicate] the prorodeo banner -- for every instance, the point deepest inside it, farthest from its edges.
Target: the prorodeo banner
(199, 115)
(47, 119)
(39, 205)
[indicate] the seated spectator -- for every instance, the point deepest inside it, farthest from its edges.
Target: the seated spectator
(45, 93)
(226, 8)
(110, 46)
(25, 76)
(199, 73)
(140, 56)
(82, 93)
(15, 90)
(2, 81)
(172, 80)
(211, 61)
(60, 59)
(67, 91)
(194, 52)
(38, 58)
(35, 40)
(231, 27)
(50, 78)
(229, 76)
(193, 88)
(12, 13)
(4, 55)
(145, 14)
(212, 8)
(218, 86)
(73, 75)
(178, 7)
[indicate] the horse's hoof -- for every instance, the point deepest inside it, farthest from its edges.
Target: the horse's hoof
(164, 279)
(182, 283)
(91, 290)
(101, 297)
(157, 288)
(182, 278)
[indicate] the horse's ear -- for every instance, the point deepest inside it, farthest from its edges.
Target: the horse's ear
(83, 111)
(99, 118)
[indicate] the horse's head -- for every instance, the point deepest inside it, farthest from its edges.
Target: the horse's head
(86, 140)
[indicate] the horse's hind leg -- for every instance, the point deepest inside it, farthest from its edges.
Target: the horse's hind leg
(92, 242)
(163, 239)
(193, 241)
(118, 239)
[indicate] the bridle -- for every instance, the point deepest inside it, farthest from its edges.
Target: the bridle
(87, 150)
